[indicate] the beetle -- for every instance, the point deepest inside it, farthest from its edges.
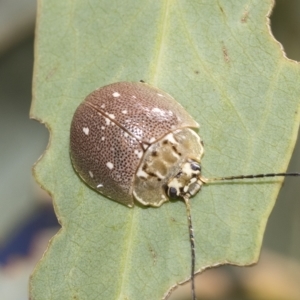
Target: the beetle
(131, 141)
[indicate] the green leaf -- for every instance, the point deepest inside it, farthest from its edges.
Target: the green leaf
(219, 60)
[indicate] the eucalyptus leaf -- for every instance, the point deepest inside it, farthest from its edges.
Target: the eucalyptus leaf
(220, 61)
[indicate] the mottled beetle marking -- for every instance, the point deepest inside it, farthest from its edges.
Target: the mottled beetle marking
(138, 153)
(154, 153)
(142, 174)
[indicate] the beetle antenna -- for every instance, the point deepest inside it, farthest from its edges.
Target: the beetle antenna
(208, 180)
(192, 240)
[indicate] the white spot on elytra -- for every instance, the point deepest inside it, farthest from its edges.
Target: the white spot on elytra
(110, 165)
(161, 112)
(102, 127)
(103, 138)
(116, 94)
(102, 106)
(99, 185)
(86, 130)
(112, 116)
(160, 95)
(107, 121)
(134, 97)
(125, 134)
(156, 110)
(91, 174)
(124, 111)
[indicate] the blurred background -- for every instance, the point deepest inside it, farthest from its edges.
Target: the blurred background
(27, 219)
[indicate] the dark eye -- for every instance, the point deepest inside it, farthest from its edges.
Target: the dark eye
(172, 192)
(195, 167)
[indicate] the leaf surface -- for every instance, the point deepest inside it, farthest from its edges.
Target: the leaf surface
(219, 60)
